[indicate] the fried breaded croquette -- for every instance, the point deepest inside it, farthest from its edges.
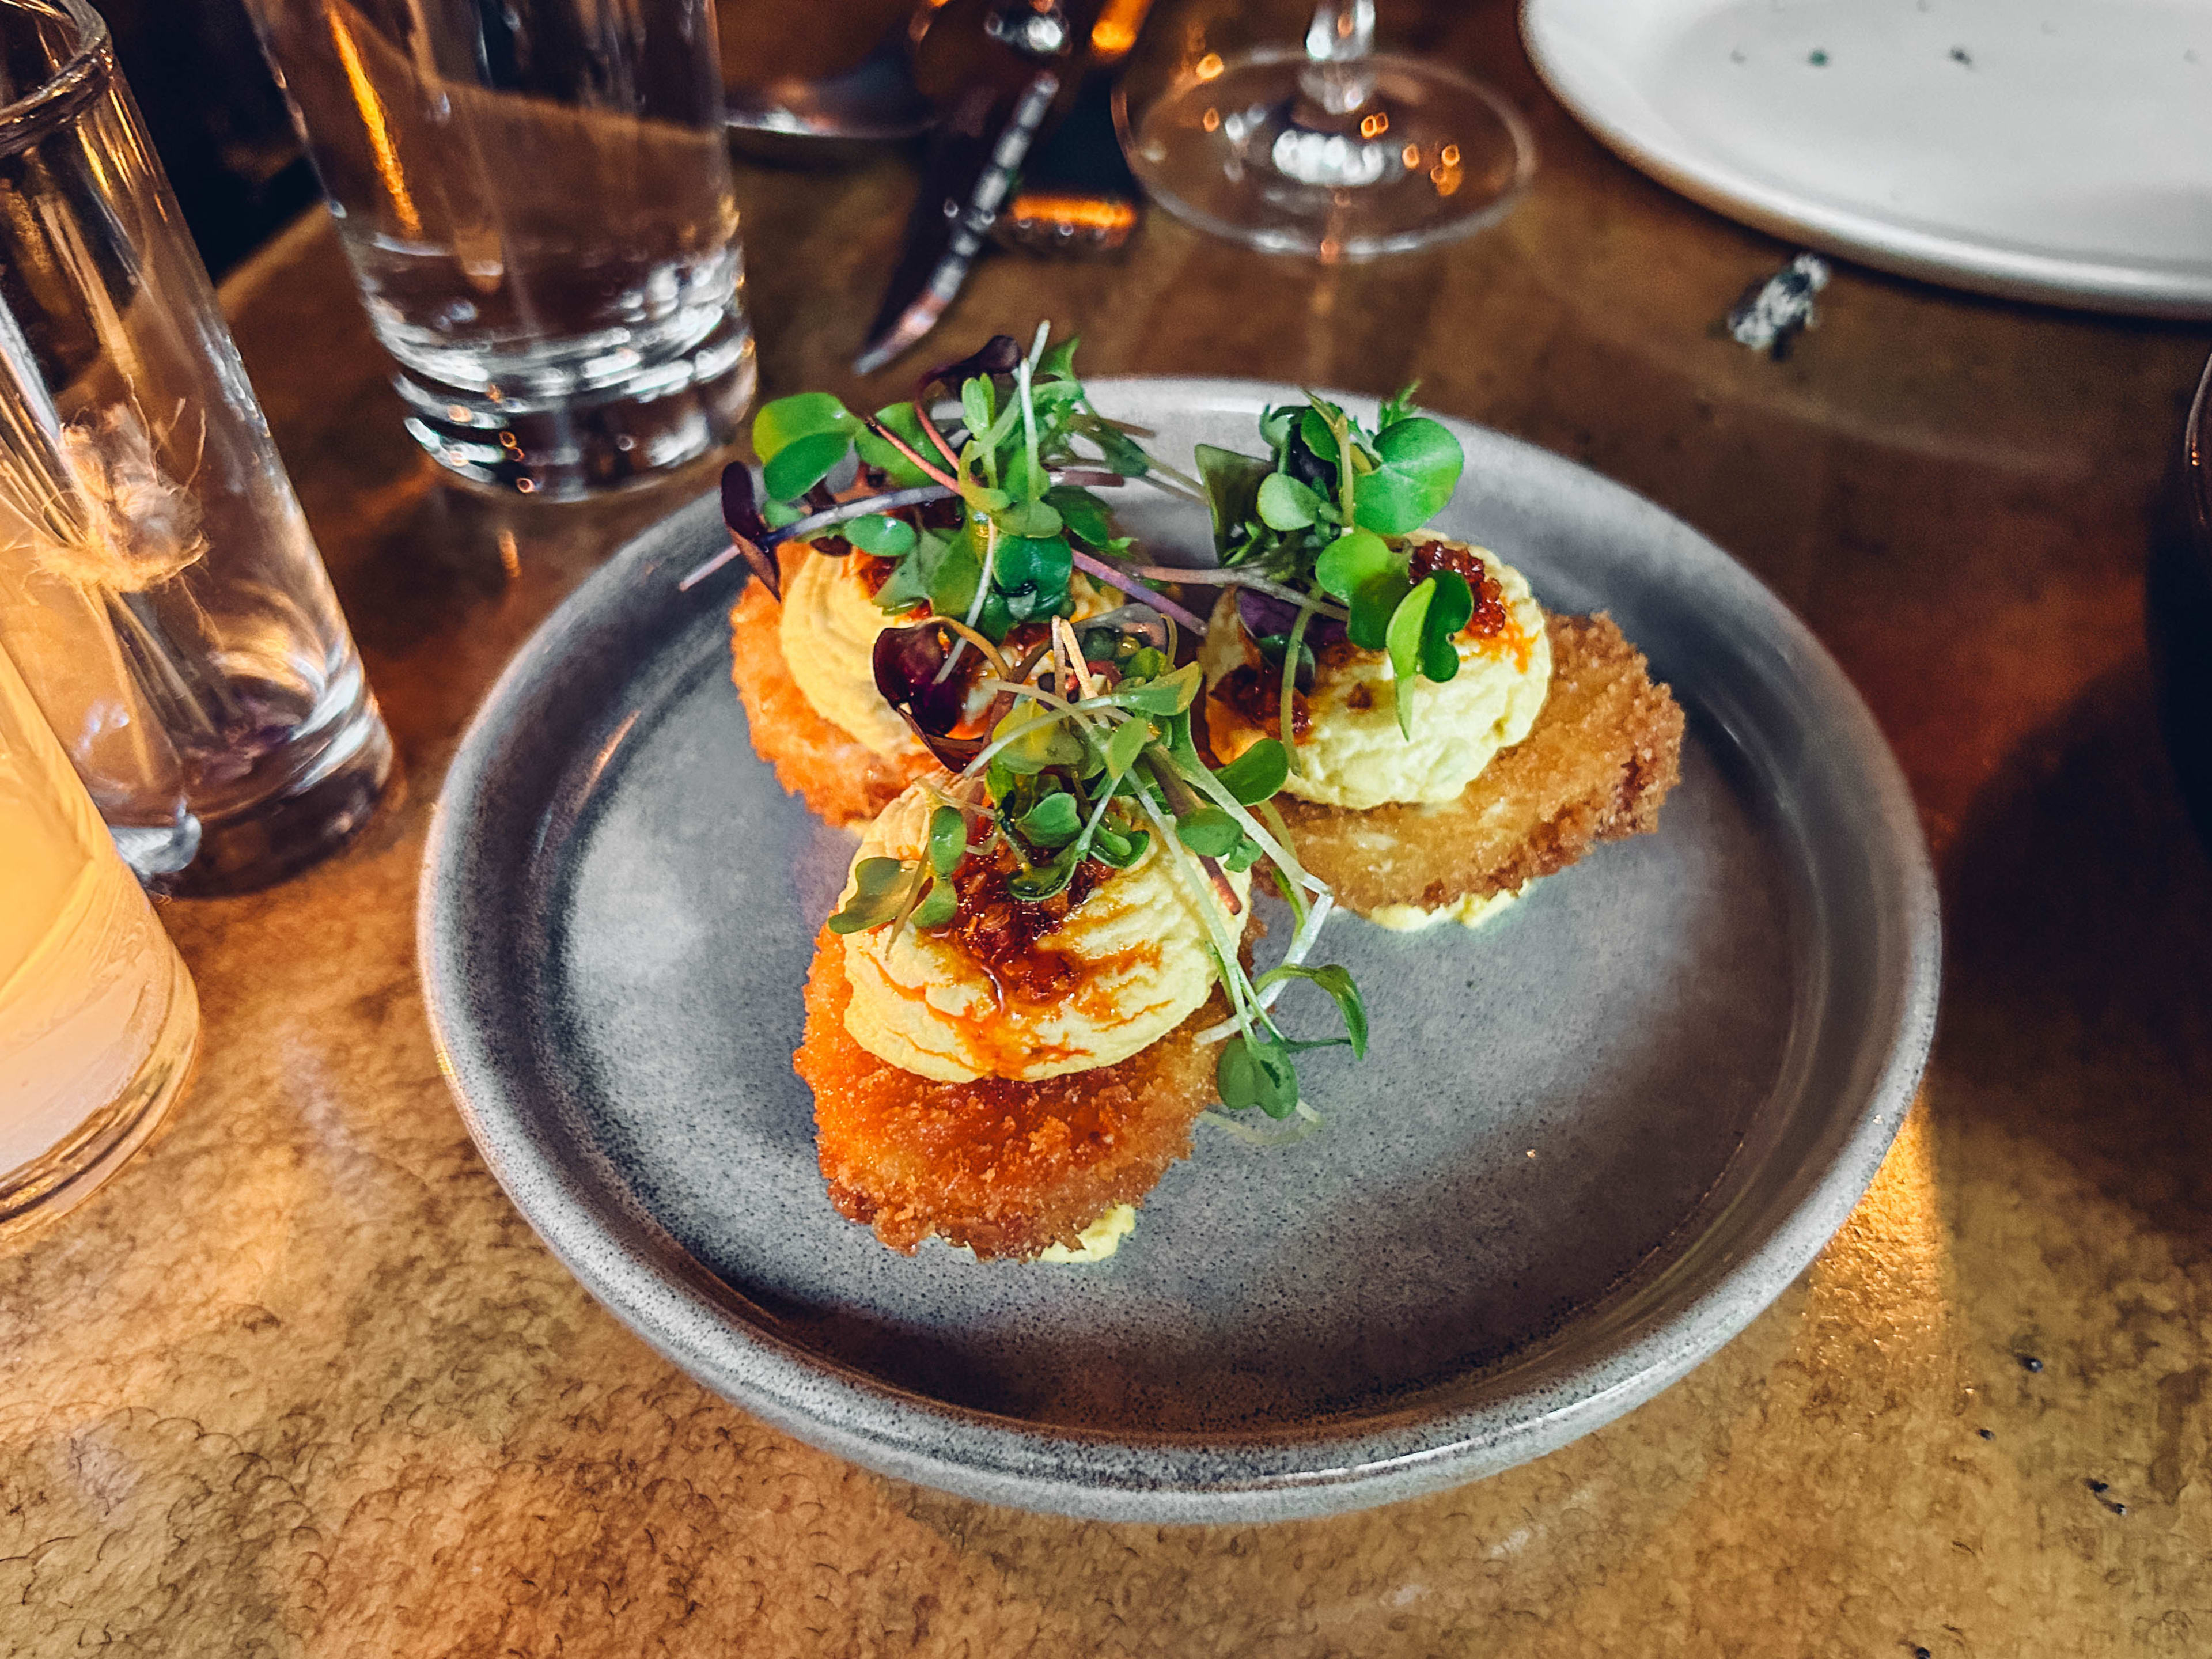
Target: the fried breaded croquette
(1004, 1167)
(1596, 767)
(841, 779)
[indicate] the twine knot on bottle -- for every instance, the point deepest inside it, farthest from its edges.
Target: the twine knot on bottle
(118, 522)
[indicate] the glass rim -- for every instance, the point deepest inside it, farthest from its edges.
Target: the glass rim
(57, 98)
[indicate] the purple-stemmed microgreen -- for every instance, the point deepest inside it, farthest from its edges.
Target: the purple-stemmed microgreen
(1133, 582)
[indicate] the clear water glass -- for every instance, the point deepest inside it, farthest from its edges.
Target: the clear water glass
(98, 1019)
(159, 589)
(536, 199)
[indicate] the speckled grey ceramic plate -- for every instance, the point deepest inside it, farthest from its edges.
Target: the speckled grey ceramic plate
(1591, 1142)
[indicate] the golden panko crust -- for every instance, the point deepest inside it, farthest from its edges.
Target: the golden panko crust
(841, 779)
(1002, 1167)
(1596, 767)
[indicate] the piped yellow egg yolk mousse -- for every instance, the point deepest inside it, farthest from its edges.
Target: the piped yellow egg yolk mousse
(1035, 980)
(979, 508)
(1450, 743)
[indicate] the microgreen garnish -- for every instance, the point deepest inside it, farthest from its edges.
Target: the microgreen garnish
(1324, 518)
(1082, 761)
(1016, 450)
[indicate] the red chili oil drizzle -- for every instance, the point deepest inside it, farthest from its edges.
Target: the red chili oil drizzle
(1003, 932)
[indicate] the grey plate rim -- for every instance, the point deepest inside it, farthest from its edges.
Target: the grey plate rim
(706, 1326)
(1974, 263)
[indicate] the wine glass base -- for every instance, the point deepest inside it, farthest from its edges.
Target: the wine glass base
(1246, 152)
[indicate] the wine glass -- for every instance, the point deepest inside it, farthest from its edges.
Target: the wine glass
(1328, 149)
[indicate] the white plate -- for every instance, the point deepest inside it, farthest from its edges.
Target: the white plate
(2045, 149)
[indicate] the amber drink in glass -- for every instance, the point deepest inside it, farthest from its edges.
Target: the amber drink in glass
(98, 1018)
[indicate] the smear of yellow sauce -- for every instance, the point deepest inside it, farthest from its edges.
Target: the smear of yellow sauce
(1099, 1240)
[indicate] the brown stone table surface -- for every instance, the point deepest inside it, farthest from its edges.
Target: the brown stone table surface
(301, 1381)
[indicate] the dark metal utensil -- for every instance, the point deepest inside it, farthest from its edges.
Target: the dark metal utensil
(997, 70)
(1076, 195)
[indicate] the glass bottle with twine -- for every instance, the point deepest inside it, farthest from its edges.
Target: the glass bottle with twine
(159, 588)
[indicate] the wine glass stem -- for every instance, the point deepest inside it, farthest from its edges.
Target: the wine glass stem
(1339, 41)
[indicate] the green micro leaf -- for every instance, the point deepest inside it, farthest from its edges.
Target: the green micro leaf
(1025, 486)
(1257, 773)
(949, 569)
(1044, 880)
(979, 404)
(1122, 453)
(1418, 464)
(1243, 856)
(1119, 848)
(1092, 765)
(1043, 563)
(1081, 514)
(1350, 561)
(1372, 607)
(879, 890)
(1053, 821)
(902, 473)
(1284, 503)
(1448, 613)
(948, 840)
(1210, 832)
(1171, 694)
(877, 877)
(1058, 362)
(1009, 420)
(1403, 640)
(1043, 742)
(803, 415)
(1338, 983)
(1128, 742)
(1253, 1071)
(1232, 490)
(880, 534)
(905, 588)
(1175, 734)
(1313, 427)
(1394, 409)
(802, 463)
(1039, 521)
(937, 907)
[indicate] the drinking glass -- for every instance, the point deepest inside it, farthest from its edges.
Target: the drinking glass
(1328, 148)
(159, 589)
(98, 1019)
(536, 199)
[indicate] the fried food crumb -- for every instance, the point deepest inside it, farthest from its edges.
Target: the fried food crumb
(841, 779)
(1596, 767)
(1004, 1167)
